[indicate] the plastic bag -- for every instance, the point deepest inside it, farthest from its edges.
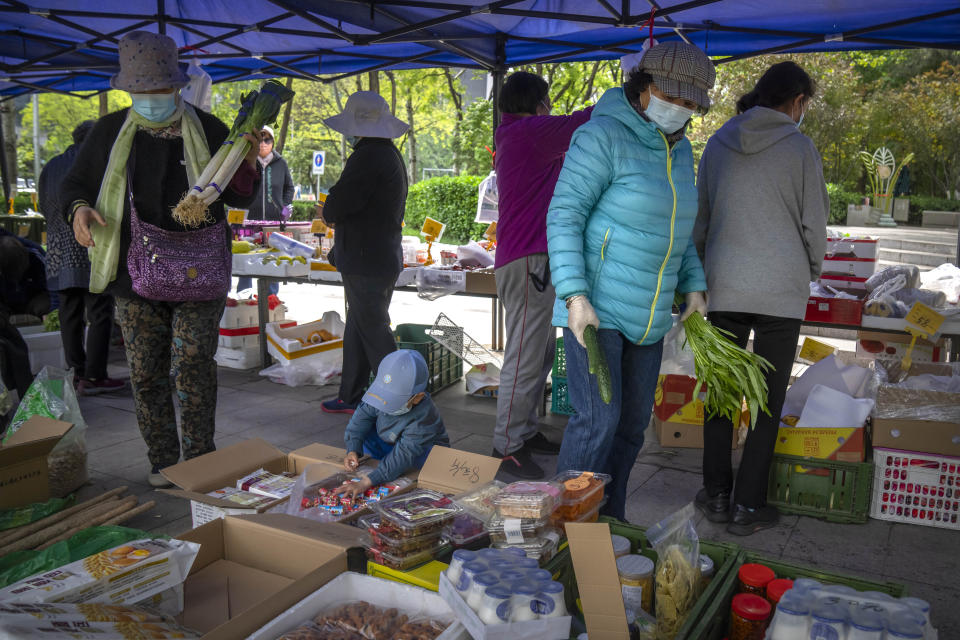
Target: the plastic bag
(199, 91)
(677, 354)
(945, 278)
(831, 372)
(677, 576)
(312, 496)
(23, 564)
(488, 208)
(19, 516)
(473, 255)
(911, 274)
(52, 395)
(482, 377)
(436, 283)
(298, 374)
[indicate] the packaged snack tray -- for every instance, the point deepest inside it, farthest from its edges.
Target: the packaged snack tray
(241, 497)
(417, 513)
(516, 530)
(128, 573)
(582, 491)
(363, 621)
(386, 538)
(318, 502)
(264, 483)
(409, 560)
(527, 499)
(590, 516)
(466, 531)
(479, 502)
(540, 549)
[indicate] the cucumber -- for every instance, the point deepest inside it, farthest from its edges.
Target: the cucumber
(598, 364)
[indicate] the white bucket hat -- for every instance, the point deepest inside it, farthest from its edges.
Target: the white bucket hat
(148, 61)
(367, 115)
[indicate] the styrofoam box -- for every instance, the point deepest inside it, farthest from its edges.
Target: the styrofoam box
(916, 488)
(251, 264)
(350, 587)
(859, 247)
(542, 629)
(852, 268)
(950, 326)
(46, 348)
(285, 346)
(239, 342)
(242, 358)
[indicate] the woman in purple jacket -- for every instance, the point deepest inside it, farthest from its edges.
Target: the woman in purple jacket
(531, 144)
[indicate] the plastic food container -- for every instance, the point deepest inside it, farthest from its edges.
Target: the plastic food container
(753, 578)
(590, 516)
(534, 500)
(479, 501)
(539, 550)
(407, 561)
(417, 513)
(387, 538)
(516, 530)
(320, 495)
(749, 614)
(636, 582)
(582, 492)
(466, 531)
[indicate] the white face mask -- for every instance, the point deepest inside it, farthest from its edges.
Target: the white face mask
(668, 117)
(402, 410)
(803, 112)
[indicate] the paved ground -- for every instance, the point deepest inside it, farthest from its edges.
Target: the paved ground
(927, 560)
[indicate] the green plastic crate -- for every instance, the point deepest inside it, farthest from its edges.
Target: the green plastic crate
(560, 398)
(723, 554)
(834, 491)
(560, 360)
(445, 368)
(713, 617)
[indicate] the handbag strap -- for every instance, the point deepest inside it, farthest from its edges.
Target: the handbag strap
(131, 162)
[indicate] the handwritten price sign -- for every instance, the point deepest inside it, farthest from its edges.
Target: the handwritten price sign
(460, 469)
(924, 319)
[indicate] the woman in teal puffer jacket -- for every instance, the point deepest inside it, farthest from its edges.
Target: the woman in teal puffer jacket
(618, 235)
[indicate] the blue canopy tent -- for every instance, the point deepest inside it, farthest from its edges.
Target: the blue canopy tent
(67, 46)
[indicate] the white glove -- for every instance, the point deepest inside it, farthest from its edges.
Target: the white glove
(580, 313)
(696, 301)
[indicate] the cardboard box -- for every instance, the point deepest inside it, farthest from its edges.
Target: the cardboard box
(222, 468)
(863, 248)
(251, 569)
(452, 471)
(679, 434)
(484, 282)
(347, 587)
(23, 461)
(841, 445)
(677, 415)
(591, 550)
(871, 344)
(917, 420)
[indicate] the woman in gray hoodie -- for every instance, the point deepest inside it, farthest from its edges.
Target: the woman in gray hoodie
(761, 234)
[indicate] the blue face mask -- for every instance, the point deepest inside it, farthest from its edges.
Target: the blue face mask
(155, 107)
(668, 117)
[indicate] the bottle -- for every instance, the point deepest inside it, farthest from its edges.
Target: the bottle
(549, 600)
(521, 601)
(538, 575)
(636, 582)
(481, 582)
(806, 584)
(460, 558)
(526, 563)
(753, 578)
(749, 616)
(706, 571)
(828, 621)
(921, 606)
(469, 571)
(495, 608)
(512, 575)
(903, 628)
(865, 624)
(791, 620)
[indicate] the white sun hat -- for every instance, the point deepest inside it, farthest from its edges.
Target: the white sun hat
(367, 115)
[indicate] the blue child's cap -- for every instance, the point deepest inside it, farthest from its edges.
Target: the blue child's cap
(401, 375)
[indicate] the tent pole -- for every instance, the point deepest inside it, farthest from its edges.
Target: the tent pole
(4, 171)
(499, 70)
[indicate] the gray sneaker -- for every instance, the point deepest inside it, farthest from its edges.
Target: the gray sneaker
(746, 521)
(156, 479)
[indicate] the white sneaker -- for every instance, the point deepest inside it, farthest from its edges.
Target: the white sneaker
(156, 480)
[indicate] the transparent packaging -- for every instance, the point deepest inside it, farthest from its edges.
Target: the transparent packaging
(588, 516)
(460, 557)
(386, 538)
(534, 500)
(478, 502)
(539, 550)
(406, 561)
(417, 512)
(313, 495)
(516, 530)
(522, 605)
(481, 582)
(466, 531)
(582, 493)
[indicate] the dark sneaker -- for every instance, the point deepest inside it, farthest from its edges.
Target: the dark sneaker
(715, 508)
(156, 479)
(748, 521)
(90, 387)
(338, 406)
(520, 464)
(539, 444)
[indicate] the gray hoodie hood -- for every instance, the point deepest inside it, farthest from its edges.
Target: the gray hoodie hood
(756, 129)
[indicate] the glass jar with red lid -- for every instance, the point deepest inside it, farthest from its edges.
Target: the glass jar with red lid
(754, 578)
(776, 589)
(749, 616)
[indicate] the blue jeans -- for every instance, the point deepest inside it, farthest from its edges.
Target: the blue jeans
(608, 437)
(378, 449)
(246, 282)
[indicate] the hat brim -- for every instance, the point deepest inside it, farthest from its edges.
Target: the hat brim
(125, 82)
(381, 399)
(387, 127)
(677, 89)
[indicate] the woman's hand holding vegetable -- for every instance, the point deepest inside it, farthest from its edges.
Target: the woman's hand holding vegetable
(254, 139)
(580, 314)
(696, 302)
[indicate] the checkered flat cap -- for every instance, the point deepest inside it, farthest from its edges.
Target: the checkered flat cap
(680, 70)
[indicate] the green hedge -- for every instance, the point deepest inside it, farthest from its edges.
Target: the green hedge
(839, 199)
(919, 204)
(303, 210)
(451, 200)
(21, 202)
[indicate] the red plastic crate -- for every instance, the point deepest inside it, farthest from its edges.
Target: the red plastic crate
(834, 311)
(916, 488)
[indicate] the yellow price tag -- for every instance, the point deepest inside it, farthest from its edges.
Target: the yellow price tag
(236, 216)
(317, 226)
(491, 232)
(924, 319)
(815, 351)
(433, 228)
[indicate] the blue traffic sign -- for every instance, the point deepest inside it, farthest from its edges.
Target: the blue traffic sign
(319, 159)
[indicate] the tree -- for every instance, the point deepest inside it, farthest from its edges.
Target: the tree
(475, 135)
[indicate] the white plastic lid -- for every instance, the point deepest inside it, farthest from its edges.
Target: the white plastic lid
(621, 545)
(634, 566)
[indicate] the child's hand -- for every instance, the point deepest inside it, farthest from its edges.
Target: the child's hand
(353, 489)
(351, 461)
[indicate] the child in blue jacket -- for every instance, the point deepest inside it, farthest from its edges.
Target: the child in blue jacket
(396, 422)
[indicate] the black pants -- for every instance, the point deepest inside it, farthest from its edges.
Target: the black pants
(776, 340)
(367, 337)
(14, 358)
(98, 308)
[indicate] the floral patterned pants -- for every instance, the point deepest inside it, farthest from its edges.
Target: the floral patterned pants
(177, 337)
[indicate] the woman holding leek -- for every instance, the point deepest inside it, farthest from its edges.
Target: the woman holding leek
(618, 236)
(149, 155)
(761, 232)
